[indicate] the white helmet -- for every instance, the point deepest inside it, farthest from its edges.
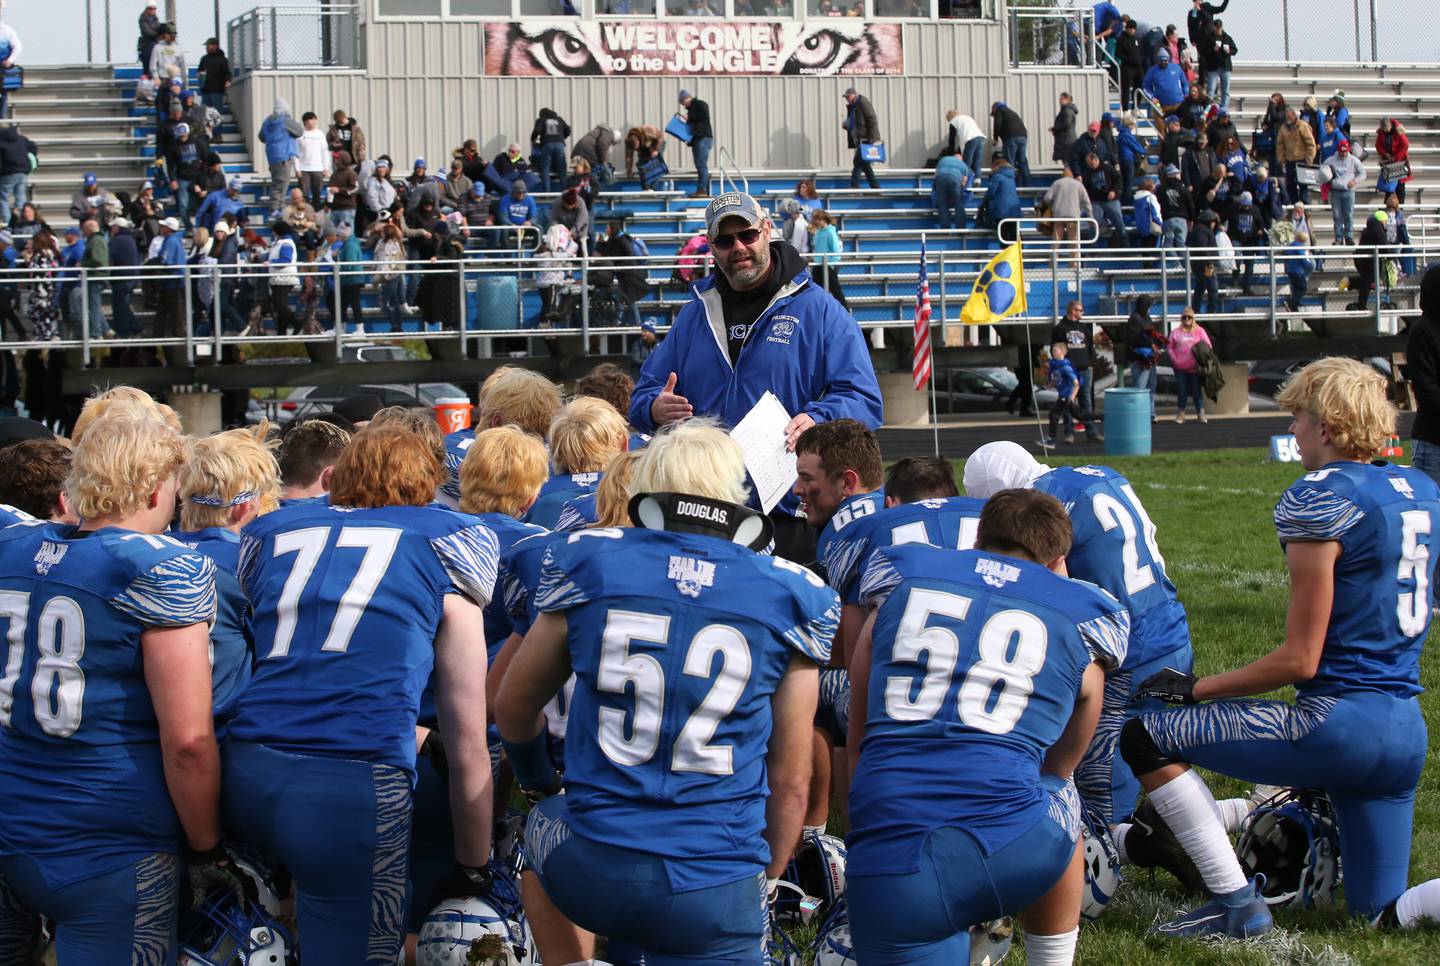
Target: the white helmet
(472, 929)
(990, 941)
(1292, 840)
(1102, 870)
(832, 943)
(819, 869)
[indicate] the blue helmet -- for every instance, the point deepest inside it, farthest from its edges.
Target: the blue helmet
(1292, 840)
(814, 879)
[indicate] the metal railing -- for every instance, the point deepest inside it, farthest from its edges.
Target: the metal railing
(1052, 36)
(327, 36)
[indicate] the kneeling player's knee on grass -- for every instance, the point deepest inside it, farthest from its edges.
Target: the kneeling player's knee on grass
(1139, 749)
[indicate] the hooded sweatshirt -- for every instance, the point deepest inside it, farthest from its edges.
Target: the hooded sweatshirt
(280, 144)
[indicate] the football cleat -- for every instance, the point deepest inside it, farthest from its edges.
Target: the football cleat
(1292, 839)
(1240, 915)
(1151, 845)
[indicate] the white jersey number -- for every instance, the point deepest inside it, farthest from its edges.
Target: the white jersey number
(1412, 607)
(997, 688)
(915, 532)
(379, 544)
(57, 688)
(1112, 513)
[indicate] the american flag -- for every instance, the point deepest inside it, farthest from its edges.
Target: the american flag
(922, 325)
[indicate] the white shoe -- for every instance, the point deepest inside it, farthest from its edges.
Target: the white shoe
(1179, 417)
(1202, 417)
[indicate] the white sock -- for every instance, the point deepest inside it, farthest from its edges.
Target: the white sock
(1418, 904)
(807, 829)
(1233, 812)
(1190, 810)
(1056, 950)
(1118, 836)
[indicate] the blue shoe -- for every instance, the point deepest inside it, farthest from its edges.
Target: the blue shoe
(1239, 915)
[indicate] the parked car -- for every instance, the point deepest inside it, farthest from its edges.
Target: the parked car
(1268, 376)
(308, 400)
(978, 390)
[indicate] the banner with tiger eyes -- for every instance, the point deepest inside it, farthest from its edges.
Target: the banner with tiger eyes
(664, 48)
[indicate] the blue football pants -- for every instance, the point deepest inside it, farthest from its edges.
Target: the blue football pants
(1366, 750)
(923, 918)
(342, 828)
(124, 916)
(626, 895)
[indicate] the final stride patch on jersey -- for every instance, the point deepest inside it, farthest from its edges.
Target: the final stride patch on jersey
(690, 575)
(48, 556)
(995, 573)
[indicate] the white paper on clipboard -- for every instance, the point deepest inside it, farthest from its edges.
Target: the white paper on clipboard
(761, 435)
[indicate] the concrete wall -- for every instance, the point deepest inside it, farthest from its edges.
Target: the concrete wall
(424, 92)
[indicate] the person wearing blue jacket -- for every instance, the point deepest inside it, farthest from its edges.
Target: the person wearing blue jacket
(218, 204)
(1002, 199)
(518, 208)
(948, 192)
(279, 132)
(1166, 82)
(1132, 152)
(759, 323)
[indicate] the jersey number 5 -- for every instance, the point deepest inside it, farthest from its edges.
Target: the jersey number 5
(1412, 607)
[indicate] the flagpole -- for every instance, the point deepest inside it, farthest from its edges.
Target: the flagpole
(934, 407)
(1030, 361)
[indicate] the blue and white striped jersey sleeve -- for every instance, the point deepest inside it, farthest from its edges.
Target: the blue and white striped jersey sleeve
(1313, 513)
(1107, 635)
(557, 590)
(248, 560)
(176, 592)
(813, 638)
(842, 560)
(471, 557)
(571, 518)
(878, 580)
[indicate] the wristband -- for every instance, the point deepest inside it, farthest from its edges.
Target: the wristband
(530, 761)
(216, 853)
(770, 886)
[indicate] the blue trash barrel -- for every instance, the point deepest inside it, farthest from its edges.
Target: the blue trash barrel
(495, 303)
(1127, 422)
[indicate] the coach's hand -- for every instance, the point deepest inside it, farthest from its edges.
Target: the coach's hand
(670, 405)
(795, 428)
(1170, 686)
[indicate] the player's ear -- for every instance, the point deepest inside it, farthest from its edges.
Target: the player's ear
(325, 475)
(850, 482)
(890, 501)
(1058, 566)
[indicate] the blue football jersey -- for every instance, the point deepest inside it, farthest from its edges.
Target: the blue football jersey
(852, 508)
(1114, 547)
(950, 523)
(10, 514)
(638, 441)
(230, 654)
(557, 491)
(1386, 518)
(975, 664)
(457, 444)
(678, 642)
(519, 579)
(577, 514)
(345, 604)
(80, 765)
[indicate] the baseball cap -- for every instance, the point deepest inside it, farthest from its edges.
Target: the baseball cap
(1001, 465)
(732, 203)
(1094, 127)
(1343, 147)
(477, 190)
(1107, 118)
(17, 429)
(182, 129)
(73, 232)
(171, 223)
(420, 163)
(148, 184)
(120, 223)
(683, 94)
(1246, 198)
(90, 179)
(235, 184)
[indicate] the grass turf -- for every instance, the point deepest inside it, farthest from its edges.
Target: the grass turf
(1213, 512)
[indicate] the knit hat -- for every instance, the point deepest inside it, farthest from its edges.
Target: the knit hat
(1163, 55)
(1171, 169)
(235, 184)
(1338, 96)
(684, 94)
(647, 325)
(181, 130)
(1246, 198)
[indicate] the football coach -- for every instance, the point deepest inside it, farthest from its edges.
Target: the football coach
(759, 323)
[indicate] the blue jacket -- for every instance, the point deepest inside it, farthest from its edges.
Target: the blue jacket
(217, 205)
(1330, 142)
(805, 349)
(1167, 85)
(1132, 149)
(172, 253)
(1105, 12)
(1298, 263)
(517, 212)
(1001, 198)
(1063, 377)
(280, 144)
(951, 166)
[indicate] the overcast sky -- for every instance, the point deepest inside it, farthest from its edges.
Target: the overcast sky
(53, 31)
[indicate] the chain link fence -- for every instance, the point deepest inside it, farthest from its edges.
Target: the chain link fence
(278, 38)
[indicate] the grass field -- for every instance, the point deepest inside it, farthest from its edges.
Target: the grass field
(1213, 515)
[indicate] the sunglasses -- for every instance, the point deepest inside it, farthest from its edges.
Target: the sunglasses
(725, 242)
(1190, 318)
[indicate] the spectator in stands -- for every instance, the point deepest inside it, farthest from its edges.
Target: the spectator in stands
(478, 209)
(1221, 129)
(312, 161)
(96, 263)
(1422, 355)
(282, 266)
(1066, 202)
(583, 181)
(457, 185)
(170, 314)
(145, 213)
(1247, 233)
(299, 214)
(185, 161)
(1063, 130)
(628, 280)
(806, 194)
(278, 132)
(1372, 257)
(124, 261)
(1175, 142)
(390, 274)
(195, 114)
(820, 372)
(1009, 131)
(1182, 359)
(642, 144)
(10, 51)
(42, 257)
(380, 193)
(1102, 187)
(345, 134)
(510, 166)
(1200, 22)
(556, 250)
(1294, 146)
(1195, 109)
(1200, 163)
(1078, 338)
(27, 221)
(149, 36)
(1204, 274)
(825, 244)
(1132, 153)
(1106, 139)
(963, 135)
(947, 192)
(218, 204)
(641, 348)
(1001, 201)
(470, 160)
(570, 210)
(1142, 343)
(702, 140)
(1299, 266)
(90, 201)
(167, 53)
(1177, 208)
(215, 75)
(596, 145)
(1174, 45)
(15, 152)
(1236, 161)
(795, 225)
(1217, 55)
(1166, 83)
(861, 127)
(70, 293)
(1392, 144)
(1086, 144)
(1335, 108)
(227, 258)
(518, 208)
(548, 136)
(1149, 220)
(1266, 192)
(344, 194)
(1330, 138)
(1343, 173)
(1131, 56)
(211, 179)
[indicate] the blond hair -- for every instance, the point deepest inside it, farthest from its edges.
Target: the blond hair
(122, 399)
(415, 419)
(114, 471)
(612, 495)
(1350, 397)
(585, 435)
(502, 472)
(224, 471)
(695, 457)
(519, 396)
